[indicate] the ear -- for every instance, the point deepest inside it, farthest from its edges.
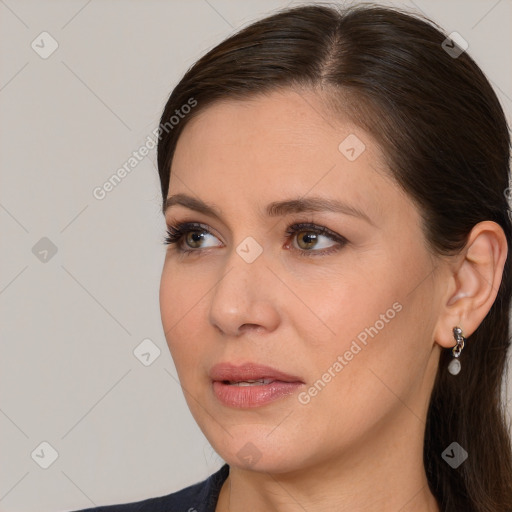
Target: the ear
(474, 281)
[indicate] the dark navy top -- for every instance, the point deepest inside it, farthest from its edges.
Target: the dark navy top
(200, 497)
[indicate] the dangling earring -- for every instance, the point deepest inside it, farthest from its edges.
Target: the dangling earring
(454, 366)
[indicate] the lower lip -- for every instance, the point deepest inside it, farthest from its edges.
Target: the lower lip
(253, 396)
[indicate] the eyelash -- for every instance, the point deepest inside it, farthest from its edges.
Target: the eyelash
(175, 234)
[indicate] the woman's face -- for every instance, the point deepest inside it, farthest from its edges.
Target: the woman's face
(350, 312)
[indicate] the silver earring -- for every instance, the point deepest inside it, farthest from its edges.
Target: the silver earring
(454, 366)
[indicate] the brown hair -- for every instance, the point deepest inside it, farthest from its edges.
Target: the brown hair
(447, 143)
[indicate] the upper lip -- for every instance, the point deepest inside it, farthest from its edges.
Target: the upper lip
(249, 371)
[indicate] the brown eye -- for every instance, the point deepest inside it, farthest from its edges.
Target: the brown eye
(194, 238)
(313, 240)
(306, 239)
(189, 236)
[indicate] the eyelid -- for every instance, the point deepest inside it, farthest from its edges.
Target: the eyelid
(192, 225)
(314, 227)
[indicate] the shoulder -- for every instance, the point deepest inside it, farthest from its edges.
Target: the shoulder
(199, 497)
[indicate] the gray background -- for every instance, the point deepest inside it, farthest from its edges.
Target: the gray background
(71, 321)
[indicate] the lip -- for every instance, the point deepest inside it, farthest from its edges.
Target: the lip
(253, 396)
(257, 395)
(249, 371)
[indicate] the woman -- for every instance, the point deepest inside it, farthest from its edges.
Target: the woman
(336, 290)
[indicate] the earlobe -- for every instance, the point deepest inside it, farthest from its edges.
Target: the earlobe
(476, 278)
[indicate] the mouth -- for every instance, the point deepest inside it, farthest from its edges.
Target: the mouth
(251, 385)
(257, 382)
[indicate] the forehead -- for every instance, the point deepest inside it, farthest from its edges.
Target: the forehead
(276, 146)
(279, 118)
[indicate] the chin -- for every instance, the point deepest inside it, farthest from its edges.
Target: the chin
(257, 451)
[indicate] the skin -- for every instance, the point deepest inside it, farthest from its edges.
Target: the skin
(358, 444)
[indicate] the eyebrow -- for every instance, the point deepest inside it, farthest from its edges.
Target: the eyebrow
(274, 209)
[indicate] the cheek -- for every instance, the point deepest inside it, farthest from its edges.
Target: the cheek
(365, 327)
(365, 294)
(359, 373)
(380, 345)
(183, 301)
(358, 300)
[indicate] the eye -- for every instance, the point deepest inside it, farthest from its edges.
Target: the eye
(188, 234)
(312, 240)
(309, 239)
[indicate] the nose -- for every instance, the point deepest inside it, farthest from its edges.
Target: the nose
(245, 297)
